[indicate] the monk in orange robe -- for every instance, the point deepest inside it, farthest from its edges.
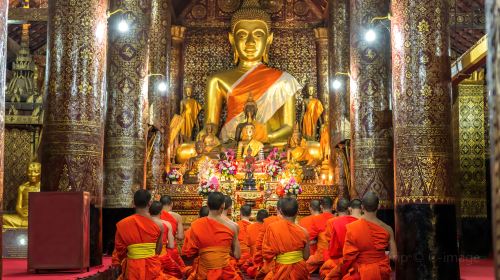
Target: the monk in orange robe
(228, 209)
(138, 241)
(213, 240)
(366, 240)
(307, 222)
(178, 229)
(169, 266)
(335, 233)
(253, 231)
(287, 244)
(318, 234)
(190, 271)
(244, 223)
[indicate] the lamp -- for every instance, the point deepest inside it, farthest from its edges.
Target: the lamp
(162, 85)
(337, 82)
(123, 25)
(371, 34)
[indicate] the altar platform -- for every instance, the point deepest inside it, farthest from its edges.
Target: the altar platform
(187, 201)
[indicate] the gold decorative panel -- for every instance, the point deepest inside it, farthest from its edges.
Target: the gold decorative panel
(471, 149)
(18, 149)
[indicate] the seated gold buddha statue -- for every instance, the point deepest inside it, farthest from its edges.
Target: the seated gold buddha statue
(20, 219)
(194, 162)
(312, 110)
(250, 111)
(249, 143)
(273, 90)
(210, 140)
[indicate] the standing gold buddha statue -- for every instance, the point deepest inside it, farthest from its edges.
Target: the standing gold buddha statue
(312, 110)
(20, 219)
(273, 90)
(190, 108)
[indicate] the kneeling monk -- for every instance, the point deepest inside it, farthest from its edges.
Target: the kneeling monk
(288, 244)
(138, 241)
(365, 244)
(213, 239)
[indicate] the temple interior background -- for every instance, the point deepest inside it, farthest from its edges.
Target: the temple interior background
(411, 113)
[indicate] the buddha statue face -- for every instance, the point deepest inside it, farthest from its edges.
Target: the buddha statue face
(199, 147)
(251, 40)
(34, 171)
(310, 90)
(188, 90)
(210, 129)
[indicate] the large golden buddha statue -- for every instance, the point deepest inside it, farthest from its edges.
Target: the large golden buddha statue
(273, 90)
(20, 219)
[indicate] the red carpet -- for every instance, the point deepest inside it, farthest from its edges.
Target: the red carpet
(17, 269)
(470, 269)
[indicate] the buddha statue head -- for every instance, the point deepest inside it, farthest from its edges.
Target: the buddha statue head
(199, 146)
(250, 34)
(34, 171)
(250, 107)
(188, 89)
(311, 90)
(296, 138)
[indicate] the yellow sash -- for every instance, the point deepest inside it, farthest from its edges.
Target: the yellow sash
(141, 251)
(290, 257)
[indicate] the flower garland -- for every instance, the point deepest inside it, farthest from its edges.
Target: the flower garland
(209, 186)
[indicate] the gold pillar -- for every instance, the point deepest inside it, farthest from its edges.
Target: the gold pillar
(371, 141)
(126, 129)
(176, 85)
(339, 62)
(493, 81)
(4, 6)
(73, 127)
(424, 192)
(321, 36)
(159, 51)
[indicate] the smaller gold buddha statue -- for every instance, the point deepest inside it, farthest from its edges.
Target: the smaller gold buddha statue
(250, 111)
(20, 219)
(324, 139)
(194, 162)
(190, 108)
(210, 140)
(298, 150)
(312, 110)
(249, 143)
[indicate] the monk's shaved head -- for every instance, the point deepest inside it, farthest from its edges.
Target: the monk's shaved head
(203, 211)
(342, 204)
(278, 204)
(327, 203)
(166, 200)
(370, 201)
(315, 205)
(289, 207)
(215, 201)
(246, 211)
(155, 208)
(142, 198)
(228, 202)
(261, 215)
(355, 204)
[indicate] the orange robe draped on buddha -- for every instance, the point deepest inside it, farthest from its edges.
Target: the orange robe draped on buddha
(173, 252)
(318, 232)
(335, 232)
(245, 249)
(211, 241)
(364, 253)
(307, 223)
(260, 267)
(137, 230)
(312, 114)
(284, 237)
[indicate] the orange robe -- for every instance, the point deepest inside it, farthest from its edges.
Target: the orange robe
(364, 253)
(260, 268)
(335, 232)
(211, 241)
(317, 232)
(245, 249)
(168, 265)
(137, 229)
(173, 252)
(282, 237)
(307, 223)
